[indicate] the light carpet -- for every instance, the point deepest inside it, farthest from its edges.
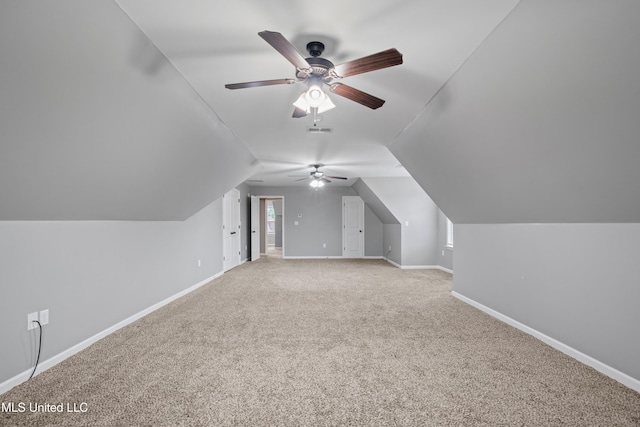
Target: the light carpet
(282, 342)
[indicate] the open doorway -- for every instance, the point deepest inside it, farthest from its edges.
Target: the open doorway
(271, 243)
(267, 227)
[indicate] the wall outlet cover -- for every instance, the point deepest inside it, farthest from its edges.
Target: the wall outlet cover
(31, 317)
(44, 317)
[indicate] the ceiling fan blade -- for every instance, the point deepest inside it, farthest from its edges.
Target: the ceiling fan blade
(298, 113)
(357, 95)
(286, 49)
(302, 179)
(325, 180)
(377, 61)
(336, 177)
(260, 83)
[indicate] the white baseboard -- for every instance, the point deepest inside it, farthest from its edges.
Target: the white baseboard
(24, 376)
(446, 270)
(419, 267)
(313, 257)
(395, 264)
(373, 257)
(603, 368)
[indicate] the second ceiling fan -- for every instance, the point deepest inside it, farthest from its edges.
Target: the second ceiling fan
(317, 177)
(317, 72)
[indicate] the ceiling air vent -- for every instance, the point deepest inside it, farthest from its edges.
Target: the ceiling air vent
(315, 129)
(255, 180)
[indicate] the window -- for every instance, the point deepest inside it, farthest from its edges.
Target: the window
(449, 239)
(271, 218)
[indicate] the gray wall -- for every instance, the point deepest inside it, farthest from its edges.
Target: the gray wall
(375, 204)
(277, 207)
(577, 283)
(408, 202)
(321, 220)
(93, 274)
(539, 124)
(373, 234)
(102, 126)
(392, 237)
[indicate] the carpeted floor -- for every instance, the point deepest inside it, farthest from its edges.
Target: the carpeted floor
(322, 343)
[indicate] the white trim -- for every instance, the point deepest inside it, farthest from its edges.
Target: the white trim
(393, 263)
(373, 257)
(49, 363)
(607, 370)
(314, 257)
(419, 267)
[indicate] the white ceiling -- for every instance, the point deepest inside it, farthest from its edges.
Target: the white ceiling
(212, 43)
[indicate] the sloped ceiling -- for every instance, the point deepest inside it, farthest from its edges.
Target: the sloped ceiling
(117, 110)
(214, 42)
(402, 197)
(378, 207)
(541, 123)
(91, 129)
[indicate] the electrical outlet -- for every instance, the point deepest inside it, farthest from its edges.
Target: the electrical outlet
(324, 245)
(199, 263)
(44, 317)
(31, 318)
(389, 248)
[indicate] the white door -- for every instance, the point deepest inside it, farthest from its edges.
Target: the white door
(352, 227)
(231, 229)
(255, 228)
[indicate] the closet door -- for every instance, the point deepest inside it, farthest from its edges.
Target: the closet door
(352, 227)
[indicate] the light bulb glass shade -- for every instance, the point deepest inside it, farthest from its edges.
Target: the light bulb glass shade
(316, 183)
(315, 96)
(326, 105)
(302, 103)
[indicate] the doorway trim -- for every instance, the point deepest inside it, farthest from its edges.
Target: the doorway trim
(257, 227)
(231, 230)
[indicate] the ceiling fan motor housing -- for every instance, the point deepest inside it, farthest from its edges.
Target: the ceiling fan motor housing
(315, 48)
(319, 68)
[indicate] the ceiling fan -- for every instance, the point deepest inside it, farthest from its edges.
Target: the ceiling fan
(317, 72)
(318, 178)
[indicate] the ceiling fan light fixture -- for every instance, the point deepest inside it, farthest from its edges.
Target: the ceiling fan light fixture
(315, 96)
(326, 105)
(302, 103)
(316, 183)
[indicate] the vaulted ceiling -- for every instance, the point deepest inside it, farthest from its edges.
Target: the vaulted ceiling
(541, 124)
(212, 43)
(503, 111)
